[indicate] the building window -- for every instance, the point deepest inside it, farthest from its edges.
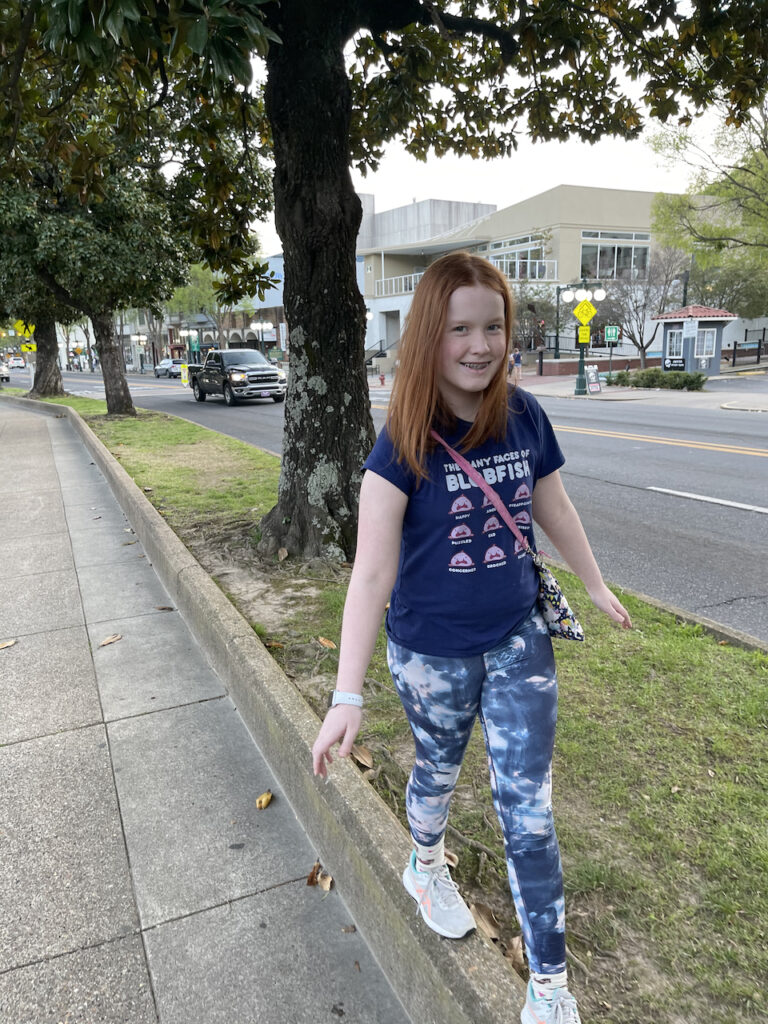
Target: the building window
(589, 260)
(675, 344)
(705, 344)
(608, 261)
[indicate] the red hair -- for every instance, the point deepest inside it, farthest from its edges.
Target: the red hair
(416, 405)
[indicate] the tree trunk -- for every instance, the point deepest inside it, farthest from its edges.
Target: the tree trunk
(47, 382)
(328, 426)
(119, 401)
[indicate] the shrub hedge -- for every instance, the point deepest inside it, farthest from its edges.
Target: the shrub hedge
(655, 377)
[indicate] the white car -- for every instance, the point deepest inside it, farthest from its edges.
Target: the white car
(16, 363)
(169, 368)
(4, 373)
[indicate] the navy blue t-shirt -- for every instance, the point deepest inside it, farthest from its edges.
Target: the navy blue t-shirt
(463, 584)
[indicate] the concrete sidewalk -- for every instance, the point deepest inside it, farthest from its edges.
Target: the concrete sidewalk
(138, 881)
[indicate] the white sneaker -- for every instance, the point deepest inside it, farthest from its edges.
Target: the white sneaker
(439, 900)
(560, 1009)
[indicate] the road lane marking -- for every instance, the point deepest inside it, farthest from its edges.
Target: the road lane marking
(674, 441)
(712, 501)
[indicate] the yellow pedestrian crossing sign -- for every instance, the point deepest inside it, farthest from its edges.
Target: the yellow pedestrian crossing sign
(584, 335)
(24, 329)
(584, 311)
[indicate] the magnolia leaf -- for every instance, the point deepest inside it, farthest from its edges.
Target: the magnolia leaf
(282, 554)
(485, 920)
(7, 643)
(362, 755)
(164, 607)
(451, 859)
(264, 800)
(111, 639)
(326, 643)
(313, 874)
(325, 881)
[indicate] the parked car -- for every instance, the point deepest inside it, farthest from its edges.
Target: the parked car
(169, 368)
(16, 363)
(5, 373)
(237, 373)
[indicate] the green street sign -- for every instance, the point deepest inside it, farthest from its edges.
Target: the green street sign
(611, 333)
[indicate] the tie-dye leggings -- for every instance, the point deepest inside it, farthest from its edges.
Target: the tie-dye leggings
(513, 690)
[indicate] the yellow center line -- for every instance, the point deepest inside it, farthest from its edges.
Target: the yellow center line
(676, 442)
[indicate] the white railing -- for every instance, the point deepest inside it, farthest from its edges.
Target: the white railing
(512, 268)
(402, 285)
(523, 269)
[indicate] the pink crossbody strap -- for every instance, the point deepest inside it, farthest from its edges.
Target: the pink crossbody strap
(481, 482)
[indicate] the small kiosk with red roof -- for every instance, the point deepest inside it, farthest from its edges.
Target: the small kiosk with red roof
(693, 338)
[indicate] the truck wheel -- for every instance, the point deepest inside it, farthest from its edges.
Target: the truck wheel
(278, 398)
(199, 395)
(229, 398)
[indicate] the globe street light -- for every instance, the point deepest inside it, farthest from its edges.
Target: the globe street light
(586, 291)
(261, 326)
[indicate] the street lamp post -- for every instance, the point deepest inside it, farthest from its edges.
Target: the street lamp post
(584, 293)
(261, 326)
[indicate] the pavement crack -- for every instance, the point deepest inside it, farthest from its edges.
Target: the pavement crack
(735, 600)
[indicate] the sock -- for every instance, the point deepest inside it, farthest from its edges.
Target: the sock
(544, 986)
(428, 857)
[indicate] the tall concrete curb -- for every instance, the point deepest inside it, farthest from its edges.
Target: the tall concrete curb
(356, 835)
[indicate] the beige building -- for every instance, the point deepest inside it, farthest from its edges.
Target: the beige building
(558, 237)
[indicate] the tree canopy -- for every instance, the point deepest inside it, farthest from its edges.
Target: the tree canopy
(345, 78)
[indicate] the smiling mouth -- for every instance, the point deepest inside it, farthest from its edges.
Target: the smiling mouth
(476, 366)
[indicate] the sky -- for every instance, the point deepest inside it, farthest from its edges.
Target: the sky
(610, 163)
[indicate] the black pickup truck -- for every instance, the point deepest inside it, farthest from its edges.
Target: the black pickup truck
(234, 374)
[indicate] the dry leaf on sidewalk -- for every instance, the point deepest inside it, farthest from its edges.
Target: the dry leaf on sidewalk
(325, 881)
(111, 639)
(7, 643)
(264, 800)
(312, 876)
(164, 607)
(326, 643)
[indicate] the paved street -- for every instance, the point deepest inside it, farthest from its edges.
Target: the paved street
(702, 552)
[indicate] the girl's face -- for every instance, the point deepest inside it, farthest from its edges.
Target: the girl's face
(473, 346)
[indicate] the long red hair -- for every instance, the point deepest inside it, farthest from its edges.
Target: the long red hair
(416, 405)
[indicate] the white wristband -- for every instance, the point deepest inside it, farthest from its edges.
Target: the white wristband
(342, 697)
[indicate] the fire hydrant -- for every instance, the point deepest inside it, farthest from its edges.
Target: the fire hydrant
(381, 379)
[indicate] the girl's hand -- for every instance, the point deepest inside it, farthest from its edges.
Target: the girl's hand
(607, 602)
(341, 724)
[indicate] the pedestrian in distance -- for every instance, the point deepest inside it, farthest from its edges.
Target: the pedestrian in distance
(465, 637)
(517, 366)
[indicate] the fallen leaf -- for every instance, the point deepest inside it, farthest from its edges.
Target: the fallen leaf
(111, 639)
(485, 920)
(312, 876)
(95, 517)
(675, 789)
(264, 800)
(722, 643)
(357, 965)
(514, 952)
(127, 543)
(126, 529)
(282, 554)
(362, 755)
(273, 643)
(164, 607)
(348, 929)
(451, 859)
(325, 881)
(148, 490)
(7, 643)
(326, 643)
(710, 773)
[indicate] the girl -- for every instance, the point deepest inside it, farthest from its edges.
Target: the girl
(465, 636)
